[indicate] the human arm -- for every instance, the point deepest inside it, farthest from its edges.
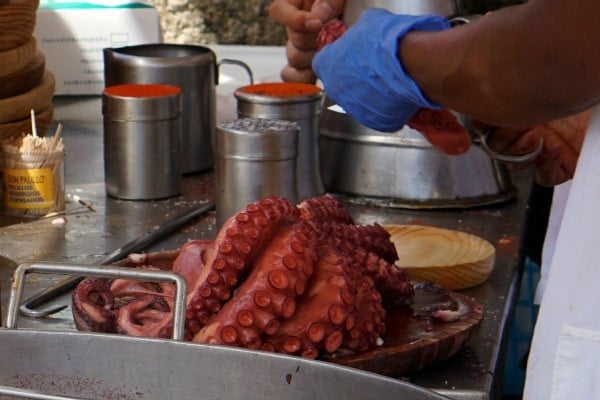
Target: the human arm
(517, 66)
(303, 19)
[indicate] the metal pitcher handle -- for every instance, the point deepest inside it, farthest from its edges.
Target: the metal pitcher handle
(239, 63)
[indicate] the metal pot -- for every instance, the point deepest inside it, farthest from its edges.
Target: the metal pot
(403, 170)
(447, 8)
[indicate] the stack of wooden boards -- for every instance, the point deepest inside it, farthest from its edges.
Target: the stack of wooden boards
(25, 83)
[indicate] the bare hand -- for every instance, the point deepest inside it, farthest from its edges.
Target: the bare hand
(563, 139)
(303, 20)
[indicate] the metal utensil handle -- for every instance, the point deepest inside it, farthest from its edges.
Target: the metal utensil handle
(138, 244)
(103, 272)
(30, 394)
(522, 159)
(239, 63)
(156, 234)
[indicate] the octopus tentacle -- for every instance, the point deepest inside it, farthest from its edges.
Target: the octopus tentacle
(162, 260)
(269, 292)
(376, 239)
(368, 249)
(369, 318)
(92, 305)
(239, 242)
(124, 289)
(393, 283)
(325, 313)
(324, 209)
(373, 238)
(144, 316)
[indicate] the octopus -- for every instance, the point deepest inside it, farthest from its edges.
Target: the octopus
(299, 279)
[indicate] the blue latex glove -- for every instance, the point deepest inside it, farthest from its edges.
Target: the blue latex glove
(362, 74)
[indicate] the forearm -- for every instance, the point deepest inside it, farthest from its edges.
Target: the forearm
(516, 66)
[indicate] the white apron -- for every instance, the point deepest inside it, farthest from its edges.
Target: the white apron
(564, 362)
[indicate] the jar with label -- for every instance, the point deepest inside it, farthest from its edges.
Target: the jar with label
(33, 175)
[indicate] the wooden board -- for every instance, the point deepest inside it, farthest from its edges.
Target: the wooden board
(412, 343)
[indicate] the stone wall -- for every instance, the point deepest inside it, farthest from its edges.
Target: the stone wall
(242, 22)
(219, 21)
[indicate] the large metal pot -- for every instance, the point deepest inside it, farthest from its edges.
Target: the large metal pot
(402, 169)
(446, 8)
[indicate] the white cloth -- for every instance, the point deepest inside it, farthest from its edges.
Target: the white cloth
(564, 362)
(559, 201)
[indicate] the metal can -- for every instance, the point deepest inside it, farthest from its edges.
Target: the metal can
(256, 158)
(142, 141)
(295, 102)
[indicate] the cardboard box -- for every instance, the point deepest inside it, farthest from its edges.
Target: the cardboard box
(73, 35)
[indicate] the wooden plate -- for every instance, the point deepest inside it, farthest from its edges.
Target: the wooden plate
(38, 98)
(25, 79)
(413, 342)
(453, 259)
(15, 59)
(11, 39)
(17, 22)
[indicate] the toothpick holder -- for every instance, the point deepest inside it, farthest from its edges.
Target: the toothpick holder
(33, 183)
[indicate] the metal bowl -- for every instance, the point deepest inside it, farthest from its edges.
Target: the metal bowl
(403, 170)
(446, 8)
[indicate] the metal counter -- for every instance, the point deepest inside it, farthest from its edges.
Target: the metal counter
(86, 237)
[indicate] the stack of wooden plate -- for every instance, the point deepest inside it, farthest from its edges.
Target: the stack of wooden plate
(25, 83)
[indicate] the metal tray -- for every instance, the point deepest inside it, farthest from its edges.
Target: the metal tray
(73, 365)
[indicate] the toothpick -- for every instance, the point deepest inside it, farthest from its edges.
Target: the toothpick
(84, 203)
(33, 127)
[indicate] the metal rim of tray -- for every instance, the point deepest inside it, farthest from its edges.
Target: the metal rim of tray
(111, 271)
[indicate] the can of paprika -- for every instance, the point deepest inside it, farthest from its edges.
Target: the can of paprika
(142, 141)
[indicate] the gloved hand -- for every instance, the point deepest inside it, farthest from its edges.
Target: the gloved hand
(361, 71)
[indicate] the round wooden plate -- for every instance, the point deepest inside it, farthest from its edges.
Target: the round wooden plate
(413, 342)
(38, 98)
(25, 79)
(17, 19)
(453, 259)
(15, 59)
